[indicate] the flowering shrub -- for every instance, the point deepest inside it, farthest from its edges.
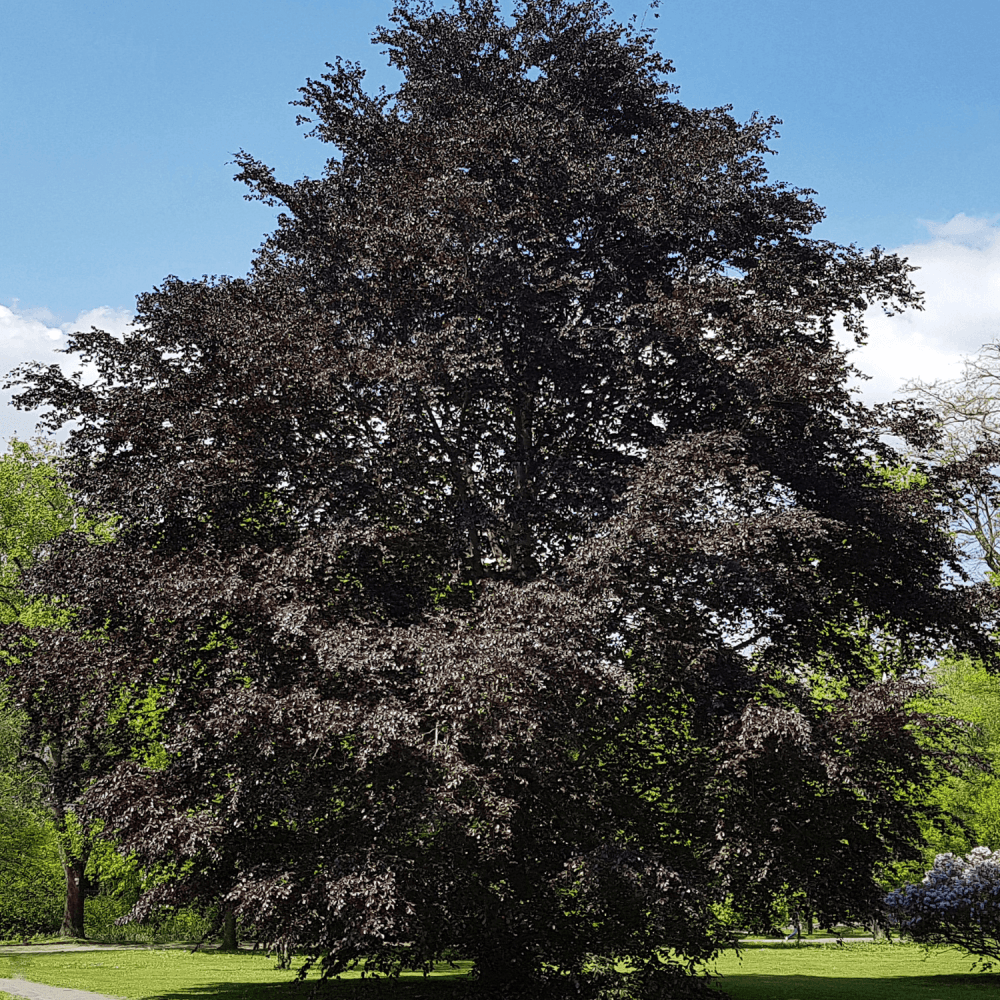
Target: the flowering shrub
(957, 903)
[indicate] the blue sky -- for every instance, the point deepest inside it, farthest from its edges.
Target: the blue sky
(118, 119)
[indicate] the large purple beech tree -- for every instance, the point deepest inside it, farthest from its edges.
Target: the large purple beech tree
(506, 549)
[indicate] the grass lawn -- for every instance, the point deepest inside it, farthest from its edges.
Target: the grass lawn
(776, 972)
(180, 975)
(852, 972)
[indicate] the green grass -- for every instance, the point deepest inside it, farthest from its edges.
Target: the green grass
(809, 972)
(181, 975)
(852, 972)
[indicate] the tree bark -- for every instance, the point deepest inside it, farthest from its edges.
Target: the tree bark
(76, 893)
(229, 939)
(503, 963)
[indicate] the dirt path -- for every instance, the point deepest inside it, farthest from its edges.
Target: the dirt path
(38, 991)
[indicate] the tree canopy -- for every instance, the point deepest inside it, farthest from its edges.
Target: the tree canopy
(510, 558)
(34, 509)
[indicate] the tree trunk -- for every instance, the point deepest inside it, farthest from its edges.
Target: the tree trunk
(76, 893)
(229, 940)
(503, 963)
(500, 976)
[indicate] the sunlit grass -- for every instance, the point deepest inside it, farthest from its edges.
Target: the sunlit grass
(809, 972)
(852, 972)
(181, 975)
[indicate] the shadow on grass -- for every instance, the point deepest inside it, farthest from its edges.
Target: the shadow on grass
(410, 988)
(971, 986)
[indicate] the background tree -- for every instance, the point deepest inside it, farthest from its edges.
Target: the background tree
(54, 746)
(973, 799)
(34, 509)
(500, 547)
(31, 879)
(967, 410)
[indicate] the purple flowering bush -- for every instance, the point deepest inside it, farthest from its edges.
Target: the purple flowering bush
(957, 903)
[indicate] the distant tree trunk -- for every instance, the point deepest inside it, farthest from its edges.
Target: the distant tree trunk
(76, 893)
(229, 940)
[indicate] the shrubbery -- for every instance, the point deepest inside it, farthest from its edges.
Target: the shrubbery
(32, 888)
(103, 912)
(957, 903)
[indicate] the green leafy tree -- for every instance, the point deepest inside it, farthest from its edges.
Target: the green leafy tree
(47, 747)
(972, 799)
(31, 878)
(35, 508)
(524, 475)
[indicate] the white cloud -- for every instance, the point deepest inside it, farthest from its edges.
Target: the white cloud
(960, 277)
(113, 321)
(34, 335)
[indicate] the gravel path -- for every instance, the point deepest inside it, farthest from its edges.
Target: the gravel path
(38, 991)
(49, 949)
